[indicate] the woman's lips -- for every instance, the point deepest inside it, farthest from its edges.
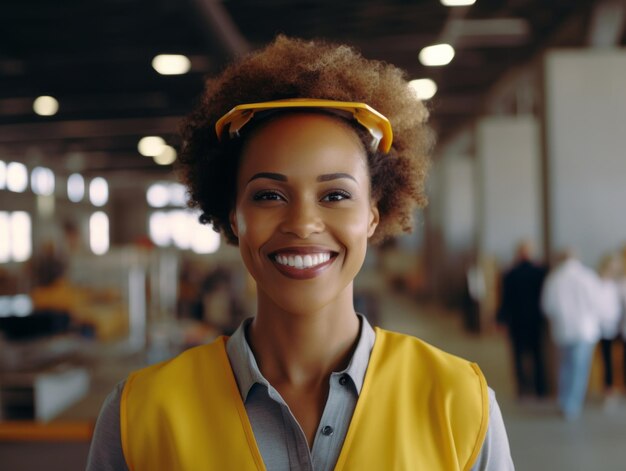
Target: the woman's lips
(302, 264)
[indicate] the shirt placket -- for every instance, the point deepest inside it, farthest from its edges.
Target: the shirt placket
(334, 423)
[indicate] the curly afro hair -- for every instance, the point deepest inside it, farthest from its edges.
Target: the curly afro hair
(295, 68)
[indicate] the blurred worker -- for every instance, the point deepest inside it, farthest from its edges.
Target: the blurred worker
(611, 315)
(569, 301)
(520, 312)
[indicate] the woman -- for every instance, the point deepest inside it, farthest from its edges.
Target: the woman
(291, 156)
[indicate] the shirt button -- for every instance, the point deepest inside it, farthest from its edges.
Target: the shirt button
(327, 430)
(343, 380)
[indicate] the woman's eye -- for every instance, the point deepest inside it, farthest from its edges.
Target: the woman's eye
(267, 196)
(337, 195)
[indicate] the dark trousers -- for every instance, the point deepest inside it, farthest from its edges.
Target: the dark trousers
(528, 360)
(607, 358)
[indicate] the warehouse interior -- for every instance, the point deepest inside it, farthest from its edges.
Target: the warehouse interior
(104, 269)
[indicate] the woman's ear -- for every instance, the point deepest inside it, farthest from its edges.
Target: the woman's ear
(232, 218)
(374, 219)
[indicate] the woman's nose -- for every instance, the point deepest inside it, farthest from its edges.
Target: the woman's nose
(302, 219)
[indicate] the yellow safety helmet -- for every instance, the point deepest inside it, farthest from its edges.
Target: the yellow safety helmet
(377, 124)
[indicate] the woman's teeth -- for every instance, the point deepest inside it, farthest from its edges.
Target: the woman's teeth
(303, 261)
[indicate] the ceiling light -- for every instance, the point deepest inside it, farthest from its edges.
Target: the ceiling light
(151, 146)
(457, 3)
(171, 64)
(425, 88)
(46, 106)
(438, 54)
(166, 157)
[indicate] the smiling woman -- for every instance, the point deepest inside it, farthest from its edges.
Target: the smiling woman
(302, 154)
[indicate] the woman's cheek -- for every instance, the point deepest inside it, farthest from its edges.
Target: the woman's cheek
(262, 225)
(353, 224)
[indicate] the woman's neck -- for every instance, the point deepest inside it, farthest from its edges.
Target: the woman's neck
(303, 348)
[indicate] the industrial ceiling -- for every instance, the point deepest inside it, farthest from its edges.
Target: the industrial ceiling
(95, 59)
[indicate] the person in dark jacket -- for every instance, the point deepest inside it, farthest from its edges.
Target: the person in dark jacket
(521, 313)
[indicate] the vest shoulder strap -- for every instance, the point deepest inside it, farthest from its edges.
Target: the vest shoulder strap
(419, 408)
(187, 414)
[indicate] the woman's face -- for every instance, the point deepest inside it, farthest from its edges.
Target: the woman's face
(303, 212)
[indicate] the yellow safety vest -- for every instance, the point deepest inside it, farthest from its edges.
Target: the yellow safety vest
(419, 409)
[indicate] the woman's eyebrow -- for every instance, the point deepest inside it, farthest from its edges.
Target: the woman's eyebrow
(272, 176)
(334, 176)
(283, 178)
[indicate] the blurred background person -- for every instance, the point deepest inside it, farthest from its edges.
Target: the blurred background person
(609, 305)
(569, 300)
(520, 312)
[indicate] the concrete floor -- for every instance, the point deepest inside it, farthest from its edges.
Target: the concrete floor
(539, 438)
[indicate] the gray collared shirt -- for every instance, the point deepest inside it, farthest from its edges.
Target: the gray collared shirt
(280, 439)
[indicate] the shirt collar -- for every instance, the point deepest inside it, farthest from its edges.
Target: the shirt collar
(247, 373)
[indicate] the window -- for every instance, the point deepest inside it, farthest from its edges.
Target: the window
(3, 175)
(15, 236)
(19, 305)
(99, 233)
(158, 195)
(5, 237)
(21, 240)
(17, 177)
(42, 181)
(98, 191)
(75, 187)
(182, 229)
(162, 194)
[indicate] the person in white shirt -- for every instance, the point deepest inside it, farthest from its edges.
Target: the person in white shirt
(569, 301)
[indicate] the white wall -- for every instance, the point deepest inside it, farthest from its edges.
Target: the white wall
(458, 195)
(507, 150)
(586, 148)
